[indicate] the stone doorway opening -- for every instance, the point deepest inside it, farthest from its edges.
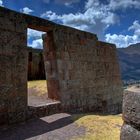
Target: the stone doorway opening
(37, 83)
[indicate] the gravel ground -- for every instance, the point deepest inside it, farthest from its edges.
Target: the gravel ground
(54, 127)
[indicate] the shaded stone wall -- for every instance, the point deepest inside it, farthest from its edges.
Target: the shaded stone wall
(14, 63)
(83, 70)
(131, 116)
(36, 70)
(13, 68)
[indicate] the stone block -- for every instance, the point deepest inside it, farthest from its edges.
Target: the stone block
(131, 108)
(129, 133)
(16, 117)
(12, 21)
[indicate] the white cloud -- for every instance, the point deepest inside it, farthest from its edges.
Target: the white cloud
(49, 14)
(135, 27)
(36, 36)
(122, 40)
(125, 40)
(36, 43)
(67, 2)
(119, 4)
(26, 10)
(95, 18)
(114, 4)
(92, 3)
(1, 3)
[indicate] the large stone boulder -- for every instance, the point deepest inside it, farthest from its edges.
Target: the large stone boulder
(131, 116)
(131, 108)
(129, 133)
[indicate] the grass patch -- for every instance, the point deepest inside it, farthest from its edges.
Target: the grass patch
(38, 87)
(99, 127)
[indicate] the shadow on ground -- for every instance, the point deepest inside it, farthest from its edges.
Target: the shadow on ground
(60, 126)
(54, 127)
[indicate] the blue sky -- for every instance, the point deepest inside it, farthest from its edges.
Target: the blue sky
(114, 21)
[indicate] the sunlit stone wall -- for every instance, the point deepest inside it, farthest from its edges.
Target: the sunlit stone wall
(84, 71)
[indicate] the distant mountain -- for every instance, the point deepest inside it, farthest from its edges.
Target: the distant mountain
(129, 59)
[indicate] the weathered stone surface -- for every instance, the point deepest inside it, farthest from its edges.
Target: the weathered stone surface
(13, 67)
(131, 116)
(40, 111)
(85, 69)
(36, 69)
(129, 133)
(131, 108)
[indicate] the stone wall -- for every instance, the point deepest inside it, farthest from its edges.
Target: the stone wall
(36, 70)
(13, 67)
(83, 70)
(41, 111)
(131, 116)
(14, 63)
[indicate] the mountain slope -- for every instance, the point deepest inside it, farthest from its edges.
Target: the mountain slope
(129, 60)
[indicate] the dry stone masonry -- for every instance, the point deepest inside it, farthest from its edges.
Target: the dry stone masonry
(131, 116)
(36, 70)
(82, 72)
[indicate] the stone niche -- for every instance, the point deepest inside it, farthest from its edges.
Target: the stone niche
(82, 72)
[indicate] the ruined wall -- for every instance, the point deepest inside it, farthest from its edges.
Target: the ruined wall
(131, 116)
(14, 63)
(36, 70)
(83, 72)
(13, 68)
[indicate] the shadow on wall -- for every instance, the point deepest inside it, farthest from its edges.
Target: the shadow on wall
(36, 69)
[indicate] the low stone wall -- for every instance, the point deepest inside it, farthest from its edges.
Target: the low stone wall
(131, 116)
(41, 111)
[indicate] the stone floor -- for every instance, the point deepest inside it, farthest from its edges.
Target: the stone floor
(54, 127)
(36, 100)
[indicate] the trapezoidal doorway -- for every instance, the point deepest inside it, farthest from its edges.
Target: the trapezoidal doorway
(38, 90)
